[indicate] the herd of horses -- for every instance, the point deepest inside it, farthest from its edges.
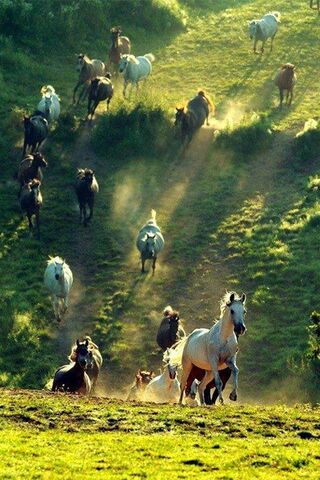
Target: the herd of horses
(207, 356)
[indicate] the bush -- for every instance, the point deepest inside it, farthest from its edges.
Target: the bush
(249, 137)
(133, 129)
(306, 145)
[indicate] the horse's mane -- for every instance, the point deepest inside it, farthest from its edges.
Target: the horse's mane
(54, 260)
(92, 346)
(225, 300)
(131, 58)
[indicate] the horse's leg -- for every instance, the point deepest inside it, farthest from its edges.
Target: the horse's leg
(291, 96)
(262, 46)
(83, 93)
(91, 204)
(235, 370)
(75, 90)
(186, 369)
(108, 102)
(225, 374)
(255, 45)
(281, 97)
(125, 88)
(271, 46)
(29, 215)
(37, 215)
(55, 303)
(203, 384)
(84, 215)
(154, 265)
(142, 264)
(24, 147)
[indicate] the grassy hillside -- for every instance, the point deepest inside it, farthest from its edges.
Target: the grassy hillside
(54, 436)
(231, 221)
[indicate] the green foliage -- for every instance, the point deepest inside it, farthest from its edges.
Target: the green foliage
(134, 129)
(314, 341)
(306, 146)
(67, 128)
(252, 135)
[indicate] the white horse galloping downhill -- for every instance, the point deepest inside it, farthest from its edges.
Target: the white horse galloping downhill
(215, 349)
(135, 69)
(164, 388)
(58, 279)
(150, 242)
(49, 105)
(261, 30)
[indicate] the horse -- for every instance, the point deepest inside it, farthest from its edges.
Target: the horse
(119, 46)
(94, 363)
(214, 349)
(31, 167)
(101, 88)
(142, 379)
(73, 378)
(36, 130)
(86, 187)
(285, 80)
(261, 30)
(317, 5)
(58, 279)
(170, 330)
(192, 118)
(135, 69)
(88, 70)
(164, 388)
(31, 201)
(49, 105)
(150, 242)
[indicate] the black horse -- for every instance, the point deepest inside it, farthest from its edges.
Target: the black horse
(170, 330)
(100, 89)
(31, 201)
(36, 129)
(86, 187)
(73, 377)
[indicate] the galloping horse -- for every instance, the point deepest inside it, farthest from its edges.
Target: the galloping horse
(142, 379)
(215, 349)
(73, 378)
(135, 69)
(49, 105)
(261, 30)
(150, 242)
(194, 116)
(58, 279)
(170, 330)
(164, 388)
(30, 168)
(88, 70)
(119, 46)
(31, 201)
(101, 88)
(36, 129)
(94, 363)
(86, 187)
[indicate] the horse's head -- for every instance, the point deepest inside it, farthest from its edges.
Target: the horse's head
(194, 389)
(172, 371)
(124, 62)
(180, 114)
(80, 62)
(115, 34)
(39, 160)
(174, 319)
(83, 354)
(237, 312)
(58, 269)
(143, 378)
(253, 27)
(150, 245)
(88, 176)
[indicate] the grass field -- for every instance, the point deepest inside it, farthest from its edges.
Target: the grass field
(59, 437)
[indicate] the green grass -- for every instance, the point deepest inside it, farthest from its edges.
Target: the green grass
(57, 436)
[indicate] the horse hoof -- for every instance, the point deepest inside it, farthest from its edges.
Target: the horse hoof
(233, 396)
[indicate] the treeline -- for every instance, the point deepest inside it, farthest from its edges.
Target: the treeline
(48, 23)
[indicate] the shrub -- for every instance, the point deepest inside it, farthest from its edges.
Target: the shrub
(249, 137)
(134, 129)
(67, 128)
(306, 145)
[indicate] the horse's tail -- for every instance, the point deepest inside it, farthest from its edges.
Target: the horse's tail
(207, 97)
(277, 15)
(153, 214)
(176, 351)
(150, 57)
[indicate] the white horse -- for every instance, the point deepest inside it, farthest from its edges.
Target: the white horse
(192, 399)
(164, 388)
(135, 69)
(49, 105)
(263, 29)
(150, 242)
(215, 349)
(58, 280)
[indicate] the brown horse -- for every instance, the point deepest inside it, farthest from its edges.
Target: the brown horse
(198, 374)
(100, 89)
(119, 46)
(31, 202)
(285, 81)
(143, 378)
(30, 168)
(191, 118)
(86, 187)
(88, 70)
(316, 6)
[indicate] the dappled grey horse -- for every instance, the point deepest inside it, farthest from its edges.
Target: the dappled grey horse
(150, 242)
(135, 69)
(261, 30)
